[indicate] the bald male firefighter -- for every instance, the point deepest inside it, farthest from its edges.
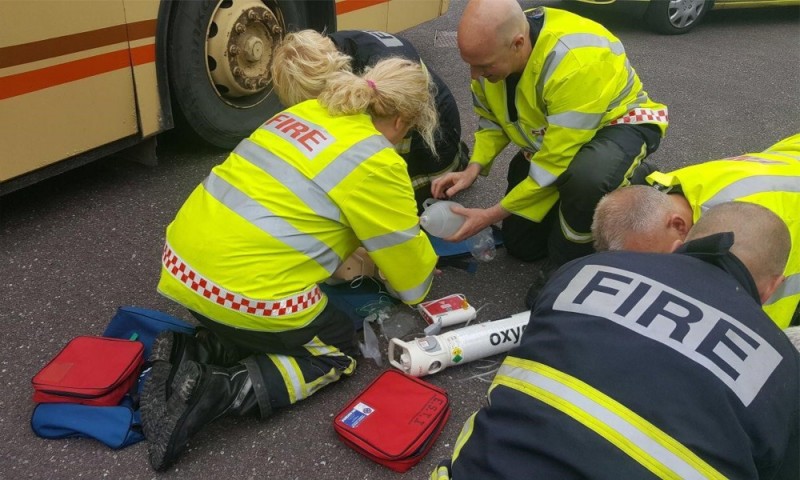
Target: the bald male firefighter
(560, 88)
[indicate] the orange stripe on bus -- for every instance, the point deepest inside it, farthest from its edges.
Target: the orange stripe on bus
(346, 6)
(22, 83)
(54, 47)
(143, 54)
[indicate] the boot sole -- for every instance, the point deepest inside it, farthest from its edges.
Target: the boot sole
(161, 350)
(162, 450)
(153, 403)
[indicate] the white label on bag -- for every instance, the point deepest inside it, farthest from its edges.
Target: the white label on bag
(357, 414)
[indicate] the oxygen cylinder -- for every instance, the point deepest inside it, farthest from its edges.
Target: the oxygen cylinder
(432, 354)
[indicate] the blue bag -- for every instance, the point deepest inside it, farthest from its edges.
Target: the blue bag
(134, 323)
(116, 426)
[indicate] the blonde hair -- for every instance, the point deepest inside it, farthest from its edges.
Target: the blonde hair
(302, 64)
(635, 210)
(394, 86)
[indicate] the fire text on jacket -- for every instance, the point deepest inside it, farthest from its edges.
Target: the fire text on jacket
(726, 347)
(304, 135)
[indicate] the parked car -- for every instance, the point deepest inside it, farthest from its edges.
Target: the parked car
(673, 17)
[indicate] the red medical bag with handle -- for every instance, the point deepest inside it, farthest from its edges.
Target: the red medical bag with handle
(90, 371)
(395, 420)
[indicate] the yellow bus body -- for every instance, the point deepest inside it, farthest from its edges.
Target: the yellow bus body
(83, 78)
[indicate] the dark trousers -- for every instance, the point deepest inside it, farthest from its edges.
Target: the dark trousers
(453, 154)
(603, 164)
(286, 367)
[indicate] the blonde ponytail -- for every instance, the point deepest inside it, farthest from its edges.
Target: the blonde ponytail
(394, 86)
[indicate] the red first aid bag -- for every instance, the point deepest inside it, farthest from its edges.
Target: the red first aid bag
(90, 371)
(395, 420)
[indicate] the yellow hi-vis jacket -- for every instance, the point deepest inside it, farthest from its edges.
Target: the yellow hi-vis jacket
(577, 81)
(771, 179)
(290, 203)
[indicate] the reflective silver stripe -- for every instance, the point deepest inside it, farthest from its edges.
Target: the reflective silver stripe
(541, 176)
(591, 409)
(486, 124)
(276, 227)
(576, 120)
(390, 239)
(291, 370)
(285, 173)
(570, 233)
(791, 286)
(477, 103)
(575, 41)
(751, 185)
(349, 160)
(784, 154)
(414, 293)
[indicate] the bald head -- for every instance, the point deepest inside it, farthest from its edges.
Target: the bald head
(492, 35)
(488, 23)
(760, 240)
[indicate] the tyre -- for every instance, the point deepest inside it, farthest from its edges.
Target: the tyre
(673, 17)
(218, 58)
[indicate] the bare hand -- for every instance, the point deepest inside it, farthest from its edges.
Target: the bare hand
(477, 220)
(453, 182)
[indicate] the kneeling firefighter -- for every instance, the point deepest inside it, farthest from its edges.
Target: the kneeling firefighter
(246, 252)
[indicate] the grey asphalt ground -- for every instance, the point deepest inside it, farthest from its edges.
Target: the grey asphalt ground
(75, 247)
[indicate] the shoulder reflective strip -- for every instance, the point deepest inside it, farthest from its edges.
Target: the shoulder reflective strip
(268, 222)
(390, 239)
(571, 42)
(576, 120)
(349, 160)
(790, 286)
(642, 441)
(570, 233)
(486, 124)
(463, 436)
(414, 293)
(303, 187)
(290, 371)
(751, 185)
(541, 176)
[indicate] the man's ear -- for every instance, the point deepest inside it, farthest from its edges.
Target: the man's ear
(770, 287)
(679, 224)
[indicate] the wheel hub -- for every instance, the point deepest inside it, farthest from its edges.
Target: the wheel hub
(241, 37)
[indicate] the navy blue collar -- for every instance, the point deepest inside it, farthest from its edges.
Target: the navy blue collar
(715, 249)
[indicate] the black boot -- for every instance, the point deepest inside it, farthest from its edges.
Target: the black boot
(201, 394)
(170, 349)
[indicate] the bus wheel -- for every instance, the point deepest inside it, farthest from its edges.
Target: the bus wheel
(219, 55)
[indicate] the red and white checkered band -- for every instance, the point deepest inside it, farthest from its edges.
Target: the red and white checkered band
(213, 292)
(643, 115)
